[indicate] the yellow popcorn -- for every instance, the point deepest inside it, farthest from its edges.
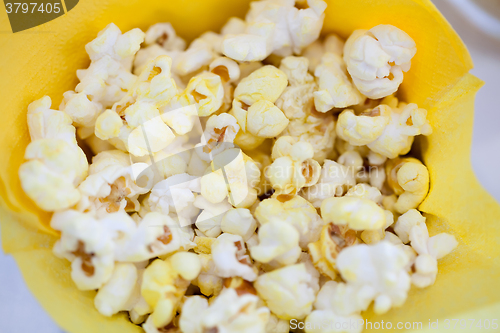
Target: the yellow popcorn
(227, 69)
(239, 221)
(164, 35)
(265, 120)
(375, 236)
(276, 325)
(287, 291)
(230, 258)
(266, 83)
(406, 222)
(365, 191)
(278, 242)
(365, 128)
(206, 91)
(151, 52)
(335, 179)
(120, 47)
(198, 54)
(373, 273)
(220, 132)
(377, 58)
(82, 111)
(229, 312)
(55, 164)
(208, 280)
(409, 179)
(165, 282)
(293, 210)
(356, 213)
(336, 90)
(113, 296)
(324, 252)
(293, 167)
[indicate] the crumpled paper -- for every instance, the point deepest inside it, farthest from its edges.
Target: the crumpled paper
(43, 60)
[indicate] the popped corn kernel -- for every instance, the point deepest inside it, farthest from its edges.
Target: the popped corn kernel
(230, 258)
(199, 54)
(336, 89)
(278, 242)
(227, 69)
(164, 35)
(365, 128)
(239, 221)
(265, 120)
(409, 179)
(211, 216)
(287, 291)
(376, 59)
(111, 42)
(293, 167)
(324, 252)
(229, 312)
(208, 280)
(206, 91)
(165, 283)
(113, 296)
(293, 210)
(356, 213)
(365, 191)
(266, 83)
(80, 108)
(220, 132)
(331, 44)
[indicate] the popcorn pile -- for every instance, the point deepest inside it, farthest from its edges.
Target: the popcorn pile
(256, 176)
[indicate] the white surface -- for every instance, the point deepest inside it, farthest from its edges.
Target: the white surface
(20, 312)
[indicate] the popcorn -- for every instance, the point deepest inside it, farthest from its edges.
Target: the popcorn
(297, 103)
(227, 69)
(334, 180)
(239, 221)
(206, 91)
(274, 27)
(120, 47)
(365, 191)
(336, 90)
(55, 164)
(324, 252)
(90, 244)
(174, 195)
(230, 258)
(165, 283)
(80, 108)
(293, 167)
(113, 184)
(356, 213)
(372, 272)
(266, 83)
(386, 131)
(276, 325)
(208, 280)
(265, 120)
(409, 179)
(211, 216)
(411, 227)
(377, 58)
(164, 35)
(315, 51)
(229, 312)
(219, 135)
(287, 291)
(279, 242)
(293, 210)
(198, 54)
(324, 313)
(114, 295)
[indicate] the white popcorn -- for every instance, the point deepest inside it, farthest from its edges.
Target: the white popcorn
(230, 258)
(356, 212)
(90, 244)
(229, 312)
(287, 291)
(409, 179)
(165, 283)
(295, 211)
(114, 295)
(377, 58)
(274, 27)
(219, 135)
(120, 47)
(386, 131)
(175, 195)
(234, 26)
(411, 227)
(151, 52)
(315, 51)
(206, 91)
(198, 54)
(208, 280)
(276, 325)
(373, 272)
(56, 165)
(211, 216)
(365, 191)
(335, 87)
(265, 120)
(335, 179)
(239, 221)
(293, 167)
(227, 69)
(164, 35)
(83, 112)
(279, 242)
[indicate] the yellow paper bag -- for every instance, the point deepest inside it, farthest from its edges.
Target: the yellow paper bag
(43, 60)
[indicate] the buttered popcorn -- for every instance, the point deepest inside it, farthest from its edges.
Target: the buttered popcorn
(257, 175)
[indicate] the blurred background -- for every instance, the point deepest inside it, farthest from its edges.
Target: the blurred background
(476, 21)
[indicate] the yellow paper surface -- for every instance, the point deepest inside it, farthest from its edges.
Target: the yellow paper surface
(43, 61)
